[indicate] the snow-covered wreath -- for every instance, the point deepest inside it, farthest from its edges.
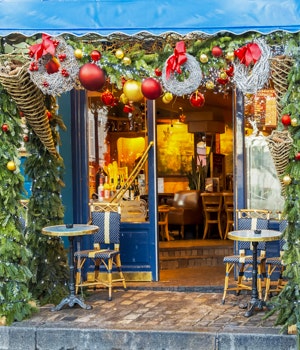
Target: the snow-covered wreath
(53, 67)
(252, 71)
(176, 67)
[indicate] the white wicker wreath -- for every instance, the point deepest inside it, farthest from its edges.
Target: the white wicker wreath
(188, 85)
(62, 80)
(251, 79)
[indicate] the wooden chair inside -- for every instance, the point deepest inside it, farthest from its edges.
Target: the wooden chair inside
(229, 209)
(163, 222)
(212, 207)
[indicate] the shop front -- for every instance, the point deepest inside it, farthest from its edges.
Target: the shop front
(214, 103)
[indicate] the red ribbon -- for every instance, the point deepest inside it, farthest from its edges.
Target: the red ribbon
(248, 54)
(175, 61)
(46, 46)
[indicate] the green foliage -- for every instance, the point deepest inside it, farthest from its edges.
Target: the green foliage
(15, 298)
(49, 262)
(287, 303)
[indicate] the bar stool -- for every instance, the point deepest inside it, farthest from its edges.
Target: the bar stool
(212, 207)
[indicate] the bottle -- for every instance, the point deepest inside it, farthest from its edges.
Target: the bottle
(106, 189)
(118, 187)
(101, 191)
(136, 189)
(100, 175)
(112, 187)
(131, 191)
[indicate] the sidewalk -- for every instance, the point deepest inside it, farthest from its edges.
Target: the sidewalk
(150, 316)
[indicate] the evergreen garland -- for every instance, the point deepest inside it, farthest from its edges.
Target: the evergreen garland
(49, 262)
(287, 302)
(15, 299)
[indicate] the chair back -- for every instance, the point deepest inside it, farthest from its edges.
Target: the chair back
(109, 227)
(186, 199)
(212, 201)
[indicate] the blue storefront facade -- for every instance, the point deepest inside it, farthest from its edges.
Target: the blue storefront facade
(79, 18)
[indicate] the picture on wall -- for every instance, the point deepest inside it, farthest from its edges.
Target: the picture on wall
(175, 147)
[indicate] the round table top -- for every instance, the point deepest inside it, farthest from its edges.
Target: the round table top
(76, 230)
(251, 236)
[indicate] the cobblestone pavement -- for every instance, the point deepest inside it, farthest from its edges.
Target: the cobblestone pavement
(157, 310)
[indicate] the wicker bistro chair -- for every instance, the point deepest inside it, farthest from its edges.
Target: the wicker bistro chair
(106, 252)
(275, 267)
(243, 261)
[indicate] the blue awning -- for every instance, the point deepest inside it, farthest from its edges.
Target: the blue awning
(105, 17)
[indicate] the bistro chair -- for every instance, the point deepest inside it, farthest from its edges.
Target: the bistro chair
(275, 268)
(105, 254)
(212, 207)
(243, 260)
(163, 222)
(228, 208)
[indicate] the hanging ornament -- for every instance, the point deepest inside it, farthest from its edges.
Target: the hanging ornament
(286, 180)
(294, 122)
(128, 109)
(297, 156)
(78, 53)
(126, 61)
(151, 88)
(158, 72)
(230, 56)
(119, 54)
(5, 128)
(217, 51)
(108, 98)
(197, 99)
(11, 165)
(133, 90)
(92, 77)
(54, 68)
(25, 138)
(230, 70)
(181, 74)
(210, 85)
(167, 97)
(124, 99)
(286, 120)
(95, 55)
(251, 78)
(203, 58)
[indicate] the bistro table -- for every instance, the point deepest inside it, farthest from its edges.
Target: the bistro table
(70, 231)
(254, 236)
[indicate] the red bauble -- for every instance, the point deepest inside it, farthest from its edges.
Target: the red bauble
(95, 55)
(5, 127)
(216, 51)
(197, 99)
(52, 66)
(286, 119)
(108, 98)
(222, 81)
(91, 77)
(26, 138)
(151, 88)
(230, 70)
(158, 72)
(297, 156)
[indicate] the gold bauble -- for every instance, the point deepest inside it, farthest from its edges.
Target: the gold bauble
(11, 165)
(210, 85)
(126, 60)
(230, 56)
(168, 96)
(286, 179)
(133, 90)
(124, 99)
(294, 122)
(119, 54)
(165, 100)
(203, 58)
(223, 75)
(78, 53)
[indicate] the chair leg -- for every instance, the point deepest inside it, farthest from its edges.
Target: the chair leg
(229, 268)
(268, 282)
(182, 231)
(205, 230)
(109, 278)
(118, 265)
(220, 228)
(78, 276)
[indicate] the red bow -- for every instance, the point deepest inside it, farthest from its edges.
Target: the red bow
(46, 46)
(175, 61)
(248, 54)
